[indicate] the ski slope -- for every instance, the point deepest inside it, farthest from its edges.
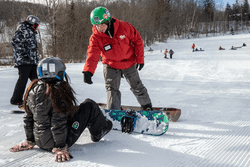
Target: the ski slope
(212, 88)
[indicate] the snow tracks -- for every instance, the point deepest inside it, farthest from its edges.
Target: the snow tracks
(218, 144)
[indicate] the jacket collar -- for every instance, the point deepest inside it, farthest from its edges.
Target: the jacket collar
(101, 34)
(28, 26)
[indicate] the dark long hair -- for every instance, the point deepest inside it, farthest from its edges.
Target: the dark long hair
(61, 94)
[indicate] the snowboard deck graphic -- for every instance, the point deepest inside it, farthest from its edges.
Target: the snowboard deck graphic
(153, 123)
(172, 113)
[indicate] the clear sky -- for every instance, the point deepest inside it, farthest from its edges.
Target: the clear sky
(229, 1)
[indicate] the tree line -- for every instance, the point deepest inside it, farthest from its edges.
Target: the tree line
(68, 24)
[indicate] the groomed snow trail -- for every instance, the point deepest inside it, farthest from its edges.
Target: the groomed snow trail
(211, 88)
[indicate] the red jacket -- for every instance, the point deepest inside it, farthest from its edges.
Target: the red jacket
(120, 52)
(166, 51)
(193, 46)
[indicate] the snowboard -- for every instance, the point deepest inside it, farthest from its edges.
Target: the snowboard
(153, 123)
(172, 113)
(20, 111)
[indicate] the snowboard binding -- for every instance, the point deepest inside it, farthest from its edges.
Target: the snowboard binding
(128, 121)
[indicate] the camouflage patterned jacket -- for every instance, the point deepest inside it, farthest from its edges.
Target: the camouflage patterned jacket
(25, 48)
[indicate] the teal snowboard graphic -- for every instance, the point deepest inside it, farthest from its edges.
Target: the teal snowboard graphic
(144, 122)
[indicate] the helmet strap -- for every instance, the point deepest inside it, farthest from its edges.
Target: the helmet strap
(40, 71)
(62, 76)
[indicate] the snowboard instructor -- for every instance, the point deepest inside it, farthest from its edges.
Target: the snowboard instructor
(52, 120)
(26, 56)
(122, 51)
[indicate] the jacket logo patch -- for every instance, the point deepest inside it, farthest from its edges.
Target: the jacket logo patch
(109, 79)
(107, 48)
(75, 125)
(122, 36)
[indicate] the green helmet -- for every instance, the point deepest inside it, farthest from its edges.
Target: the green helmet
(99, 15)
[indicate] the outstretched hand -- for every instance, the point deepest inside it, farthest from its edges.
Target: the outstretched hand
(22, 146)
(62, 154)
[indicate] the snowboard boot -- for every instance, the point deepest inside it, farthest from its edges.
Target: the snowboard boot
(147, 107)
(16, 102)
(95, 137)
(21, 106)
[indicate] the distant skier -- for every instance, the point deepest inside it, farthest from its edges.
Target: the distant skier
(232, 31)
(233, 48)
(150, 49)
(171, 52)
(244, 44)
(193, 46)
(220, 48)
(165, 53)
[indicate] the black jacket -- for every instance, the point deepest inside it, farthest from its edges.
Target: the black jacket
(44, 126)
(25, 48)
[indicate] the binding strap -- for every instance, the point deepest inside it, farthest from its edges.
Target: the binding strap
(128, 121)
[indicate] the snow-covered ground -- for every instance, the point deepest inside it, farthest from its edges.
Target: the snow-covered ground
(211, 87)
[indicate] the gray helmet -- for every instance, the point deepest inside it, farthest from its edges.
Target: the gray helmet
(33, 19)
(51, 68)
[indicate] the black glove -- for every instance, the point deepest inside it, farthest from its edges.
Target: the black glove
(140, 66)
(87, 77)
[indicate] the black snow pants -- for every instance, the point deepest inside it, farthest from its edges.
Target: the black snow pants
(88, 116)
(25, 72)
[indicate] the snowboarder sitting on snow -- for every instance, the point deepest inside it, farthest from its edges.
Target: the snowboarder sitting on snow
(52, 119)
(171, 52)
(165, 53)
(233, 48)
(220, 48)
(25, 53)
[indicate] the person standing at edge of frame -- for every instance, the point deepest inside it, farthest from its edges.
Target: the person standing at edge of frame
(122, 51)
(26, 56)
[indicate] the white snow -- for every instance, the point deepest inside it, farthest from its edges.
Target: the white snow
(212, 88)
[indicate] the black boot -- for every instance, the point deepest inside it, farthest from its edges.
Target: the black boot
(16, 102)
(101, 132)
(147, 107)
(99, 126)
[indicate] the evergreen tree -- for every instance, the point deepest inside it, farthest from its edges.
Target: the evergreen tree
(245, 10)
(208, 9)
(228, 12)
